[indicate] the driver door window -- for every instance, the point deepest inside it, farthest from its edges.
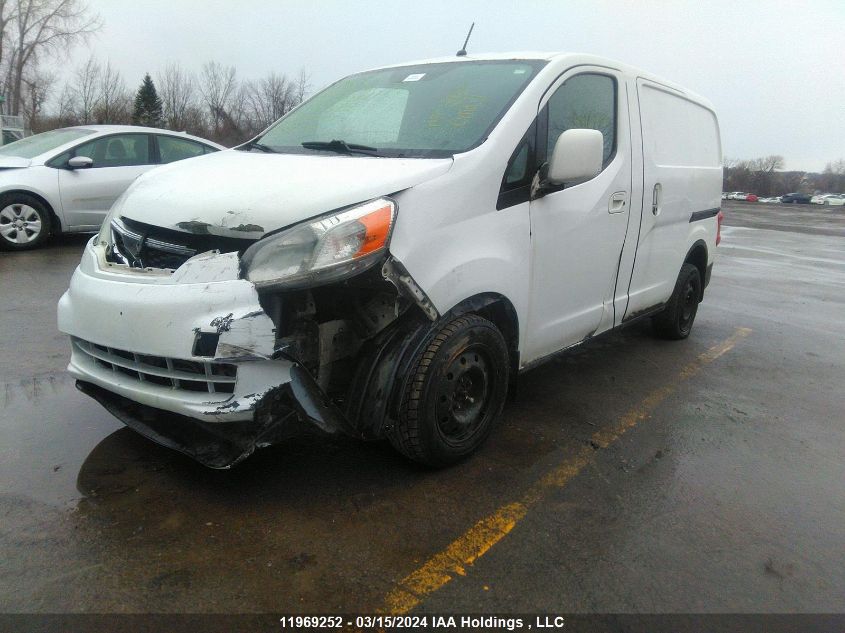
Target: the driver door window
(586, 101)
(120, 150)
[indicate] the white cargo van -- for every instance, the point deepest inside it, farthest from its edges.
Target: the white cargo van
(385, 259)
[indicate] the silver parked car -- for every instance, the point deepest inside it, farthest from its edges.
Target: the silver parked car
(66, 180)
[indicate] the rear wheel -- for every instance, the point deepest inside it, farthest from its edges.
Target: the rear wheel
(455, 392)
(675, 322)
(25, 222)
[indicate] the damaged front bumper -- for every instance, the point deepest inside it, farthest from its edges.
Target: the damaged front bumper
(187, 358)
(296, 407)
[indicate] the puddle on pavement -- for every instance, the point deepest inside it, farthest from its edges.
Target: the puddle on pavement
(47, 429)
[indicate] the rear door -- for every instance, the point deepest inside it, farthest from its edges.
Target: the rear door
(87, 194)
(578, 230)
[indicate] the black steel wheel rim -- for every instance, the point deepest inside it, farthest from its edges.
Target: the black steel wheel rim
(463, 395)
(689, 304)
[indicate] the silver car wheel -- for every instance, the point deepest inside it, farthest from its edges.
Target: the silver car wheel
(20, 223)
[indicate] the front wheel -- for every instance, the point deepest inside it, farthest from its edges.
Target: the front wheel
(455, 392)
(675, 322)
(24, 222)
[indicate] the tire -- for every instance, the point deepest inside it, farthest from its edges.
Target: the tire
(456, 389)
(25, 222)
(676, 320)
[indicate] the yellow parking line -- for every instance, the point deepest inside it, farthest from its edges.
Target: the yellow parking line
(475, 542)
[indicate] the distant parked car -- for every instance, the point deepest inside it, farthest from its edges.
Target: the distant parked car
(835, 200)
(801, 198)
(770, 200)
(820, 198)
(737, 195)
(725, 195)
(751, 198)
(66, 180)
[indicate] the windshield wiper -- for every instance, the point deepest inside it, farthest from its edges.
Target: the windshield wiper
(259, 146)
(341, 147)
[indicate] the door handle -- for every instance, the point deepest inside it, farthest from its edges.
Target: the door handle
(655, 199)
(617, 202)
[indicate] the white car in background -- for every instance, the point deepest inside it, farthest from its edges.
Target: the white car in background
(834, 200)
(66, 180)
(819, 198)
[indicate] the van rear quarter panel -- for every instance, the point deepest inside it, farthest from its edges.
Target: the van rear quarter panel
(682, 157)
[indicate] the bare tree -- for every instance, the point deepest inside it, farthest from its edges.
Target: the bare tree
(114, 99)
(238, 110)
(36, 90)
(8, 13)
(177, 89)
(86, 90)
(218, 87)
(67, 105)
(38, 28)
(833, 177)
(303, 86)
(193, 121)
(835, 167)
(768, 164)
(268, 99)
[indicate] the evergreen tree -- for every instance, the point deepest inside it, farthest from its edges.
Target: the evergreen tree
(148, 110)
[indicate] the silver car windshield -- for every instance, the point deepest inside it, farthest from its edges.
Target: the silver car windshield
(426, 110)
(32, 146)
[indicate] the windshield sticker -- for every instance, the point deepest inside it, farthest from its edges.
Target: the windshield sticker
(414, 77)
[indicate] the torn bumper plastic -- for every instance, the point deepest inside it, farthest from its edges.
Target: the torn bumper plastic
(288, 410)
(141, 348)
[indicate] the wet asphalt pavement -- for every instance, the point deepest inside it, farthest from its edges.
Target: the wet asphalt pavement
(725, 493)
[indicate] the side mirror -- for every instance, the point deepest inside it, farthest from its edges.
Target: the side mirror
(578, 155)
(80, 162)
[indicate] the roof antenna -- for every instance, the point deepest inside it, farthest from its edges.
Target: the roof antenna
(463, 51)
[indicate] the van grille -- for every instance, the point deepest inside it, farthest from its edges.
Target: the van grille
(188, 375)
(141, 245)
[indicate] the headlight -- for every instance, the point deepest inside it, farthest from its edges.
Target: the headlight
(324, 249)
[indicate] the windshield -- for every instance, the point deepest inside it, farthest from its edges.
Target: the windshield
(32, 146)
(428, 110)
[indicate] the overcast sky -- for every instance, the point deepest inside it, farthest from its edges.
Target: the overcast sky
(774, 70)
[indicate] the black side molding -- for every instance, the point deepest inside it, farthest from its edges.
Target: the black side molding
(703, 215)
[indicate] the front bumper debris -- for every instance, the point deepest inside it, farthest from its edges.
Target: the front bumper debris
(288, 410)
(140, 347)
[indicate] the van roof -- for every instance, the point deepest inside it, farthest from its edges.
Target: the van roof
(572, 58)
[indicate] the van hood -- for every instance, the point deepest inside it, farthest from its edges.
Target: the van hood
(248, 194)
(13, 162)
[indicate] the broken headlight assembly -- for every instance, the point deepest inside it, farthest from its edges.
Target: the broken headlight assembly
(322, 250)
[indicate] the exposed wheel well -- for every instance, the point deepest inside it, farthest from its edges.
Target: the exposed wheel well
(697, 256)
(56, 224)
(498, 309)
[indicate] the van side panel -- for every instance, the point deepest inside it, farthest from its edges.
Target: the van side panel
(682, 175)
